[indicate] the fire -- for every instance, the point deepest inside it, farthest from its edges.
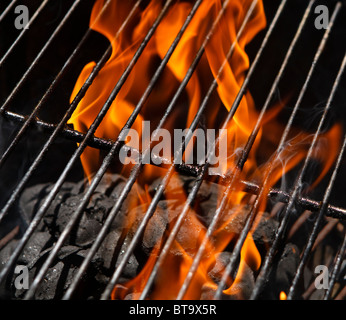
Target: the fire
(125, 46)
(283, 295)
(176, 266)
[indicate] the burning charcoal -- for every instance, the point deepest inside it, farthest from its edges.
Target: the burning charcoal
(163, 219)
(33, 249)
(221, 262)
(206, 200)
(175, 186)
(112, 250)
(282, 273)
(33, 197)
(5, 253)
(264, 233)
(241, 288)
(67, 201)
(28, 257)
(30, 253)
(60, 276)
(265, 226)
(49, 286)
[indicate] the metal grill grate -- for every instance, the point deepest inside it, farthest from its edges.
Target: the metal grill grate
(112, 148)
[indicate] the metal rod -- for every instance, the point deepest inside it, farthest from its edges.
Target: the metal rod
(28, 120)
(7, 10)
(336, 269)
(298, 185)
(314, 233)
(98, 176)
(186, 169)
(235, 175)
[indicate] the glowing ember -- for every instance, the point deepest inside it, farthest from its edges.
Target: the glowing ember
(283, 296)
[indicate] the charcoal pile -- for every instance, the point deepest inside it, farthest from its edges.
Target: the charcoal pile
(76, 247)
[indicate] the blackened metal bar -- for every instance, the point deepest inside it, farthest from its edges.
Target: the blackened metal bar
(163, 184)
(201, 175)
(110, 156)
(7, 10)
(38, 57)
(31, 21)
(297, 188)
(15, 194)
(340, 258)
(31, 118)
(314, 233)
(231, 267)
(33, 225)
(101, 144)
(191, 170)
(251, 140)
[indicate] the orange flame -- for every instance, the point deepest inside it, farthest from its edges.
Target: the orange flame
(283, 296)
(125, 46)
(178, 262)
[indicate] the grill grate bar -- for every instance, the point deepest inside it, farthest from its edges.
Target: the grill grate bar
(231, 268)
(191, 170)
(160, 189)
(335, 272)
(7, 10)
(110, 156)
(314, 233)
(297, 188)
(29, 120)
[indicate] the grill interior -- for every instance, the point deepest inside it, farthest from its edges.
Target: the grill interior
(40, 157)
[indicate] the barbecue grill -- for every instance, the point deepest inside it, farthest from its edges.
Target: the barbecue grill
(41, 151)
